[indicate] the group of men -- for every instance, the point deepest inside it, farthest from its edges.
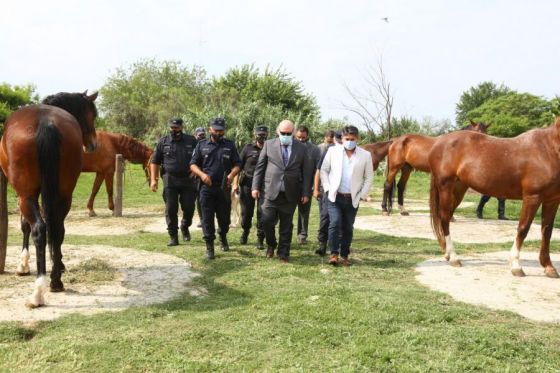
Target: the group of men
(276, 175)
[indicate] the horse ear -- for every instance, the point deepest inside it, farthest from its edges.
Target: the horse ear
(473, 123)
(91, 97)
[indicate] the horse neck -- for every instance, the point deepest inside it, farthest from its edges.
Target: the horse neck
(132, 150)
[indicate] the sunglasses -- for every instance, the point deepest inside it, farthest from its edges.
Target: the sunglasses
(286, 133)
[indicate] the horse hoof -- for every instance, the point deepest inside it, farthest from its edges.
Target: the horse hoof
(32, 306)
(455, 263)
(405, 213)
(56, 288)
(385, 213)
(551, 273)
(518, 272)
(92, 214)
(23, 273)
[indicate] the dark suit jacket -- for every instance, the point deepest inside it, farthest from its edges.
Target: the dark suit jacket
(270, 171)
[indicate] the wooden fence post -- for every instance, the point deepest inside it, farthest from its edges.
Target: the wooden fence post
(119, 169)
(3, 220)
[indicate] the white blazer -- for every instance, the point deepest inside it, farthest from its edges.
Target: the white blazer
(362, 175)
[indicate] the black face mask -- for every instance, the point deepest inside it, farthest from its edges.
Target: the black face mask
(217, 137)
(260, 139)
(176, 135)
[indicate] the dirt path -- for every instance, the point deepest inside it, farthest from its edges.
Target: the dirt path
(143, 278)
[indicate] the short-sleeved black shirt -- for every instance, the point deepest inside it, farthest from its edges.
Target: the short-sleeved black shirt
(174, 155)
(249, 157)
(216, 158)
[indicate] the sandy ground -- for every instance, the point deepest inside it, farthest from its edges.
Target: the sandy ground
(143, 278)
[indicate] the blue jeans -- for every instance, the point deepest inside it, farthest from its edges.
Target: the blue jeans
(341, 219)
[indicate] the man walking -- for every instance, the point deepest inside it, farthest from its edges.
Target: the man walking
(346, 175)
(199, 134)
(216, 162)
(282, 179)
(249, 157)
(313, 152)
(173, 154)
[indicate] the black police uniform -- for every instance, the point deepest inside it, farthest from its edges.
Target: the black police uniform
(216, 160)
(304, 209)
(174, 157)
(249, 157)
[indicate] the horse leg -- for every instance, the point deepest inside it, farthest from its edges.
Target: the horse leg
(109, 186)
(528, 210)
(388, 188)
(549, 210)
(96, 185)
(405, 174)
(458, 193)
(23, 266)
(446, 201)
(31, 212)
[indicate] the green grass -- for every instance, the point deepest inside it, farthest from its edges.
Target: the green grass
(304, 316)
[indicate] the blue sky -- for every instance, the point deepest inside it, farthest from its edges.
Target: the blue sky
(432, 50)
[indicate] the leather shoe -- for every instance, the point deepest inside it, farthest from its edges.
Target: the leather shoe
(270, 252)
(345, 262)
(333, 260)
(260, 245)
(243, 238)
(173, 241)
(322, 250)
(209, 250)
(186, 234)
(224, 244)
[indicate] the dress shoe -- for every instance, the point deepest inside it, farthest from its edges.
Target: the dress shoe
(322, 250)
(173, 241)
(186, 234)
(209, 250)
(243, 238)
(270, 252)
(333, 260)
(260, 244)
(345, 262)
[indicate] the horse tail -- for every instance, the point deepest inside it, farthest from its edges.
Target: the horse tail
(48, 140)
(434, 211)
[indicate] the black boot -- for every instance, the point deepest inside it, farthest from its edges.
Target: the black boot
(322, 250)
(502, 209)
(244, 236)
(186, 234)
(223, 243)
(480, 208)
(209, 249)
(173, 239)
(260, 243)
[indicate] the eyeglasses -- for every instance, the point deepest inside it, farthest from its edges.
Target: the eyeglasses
(286, 133)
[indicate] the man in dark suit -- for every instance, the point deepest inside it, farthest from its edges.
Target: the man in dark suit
(282, 178)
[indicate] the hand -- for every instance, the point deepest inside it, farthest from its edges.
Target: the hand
(317, 194)
(229, 179)
(236, 189)
(206, 179)
(256, 194)
(304, 200)
(153, 185)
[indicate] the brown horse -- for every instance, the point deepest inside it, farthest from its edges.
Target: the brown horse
(378, 151)
(41, 154)
(102, 161)
(407, 153)
(524, 167)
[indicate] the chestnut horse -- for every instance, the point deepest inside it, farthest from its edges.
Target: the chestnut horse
(41, 154)
(407, 153)
(378, 151)
(102, 161)
(524, 167)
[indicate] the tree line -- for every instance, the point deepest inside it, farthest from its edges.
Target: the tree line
(137, 100)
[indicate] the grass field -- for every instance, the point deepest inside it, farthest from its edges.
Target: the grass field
(305, 316)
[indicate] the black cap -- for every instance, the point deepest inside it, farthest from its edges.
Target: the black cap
(199, 130)
(175, 122)
(261, 130)
(218, 124)
(338, 135)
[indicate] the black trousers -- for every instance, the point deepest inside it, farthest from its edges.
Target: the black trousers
(303, 218)
(215, 202)
(323, 232)
(173, 196)
(274, 211)
(247, 211)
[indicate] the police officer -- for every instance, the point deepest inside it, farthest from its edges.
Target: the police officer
(173, 155)
(216, 162)
(199, 134)
(249, 157)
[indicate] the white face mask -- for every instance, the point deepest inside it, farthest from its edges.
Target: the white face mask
(349, 145)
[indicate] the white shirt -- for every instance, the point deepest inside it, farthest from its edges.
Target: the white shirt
(347, 169)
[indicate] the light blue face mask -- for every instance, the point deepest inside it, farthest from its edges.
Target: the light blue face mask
(285, 140)
(349, 145)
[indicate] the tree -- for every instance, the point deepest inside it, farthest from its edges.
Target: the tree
(139, 100)
(475, 97)
(373, 103)
(515, 113)
(13, 97)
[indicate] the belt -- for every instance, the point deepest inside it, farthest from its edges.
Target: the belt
(344, 194)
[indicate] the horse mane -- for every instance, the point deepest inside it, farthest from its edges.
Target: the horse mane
(74, 103)
(133, 150)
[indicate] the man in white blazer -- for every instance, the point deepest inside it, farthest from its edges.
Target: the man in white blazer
(346, 176)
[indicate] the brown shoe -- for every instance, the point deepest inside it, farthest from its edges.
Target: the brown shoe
(270, 252)
(284, 260)
(333, 259)
(345, 262)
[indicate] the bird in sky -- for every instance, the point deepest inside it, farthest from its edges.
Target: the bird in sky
(386, 19)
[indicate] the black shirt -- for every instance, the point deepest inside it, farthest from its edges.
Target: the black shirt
(215, 159)
(175, 155)
(249, 157)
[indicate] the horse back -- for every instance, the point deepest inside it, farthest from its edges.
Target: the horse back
(412, 149)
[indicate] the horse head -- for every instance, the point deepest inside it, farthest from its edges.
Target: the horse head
(477, 127)
(89, 137)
